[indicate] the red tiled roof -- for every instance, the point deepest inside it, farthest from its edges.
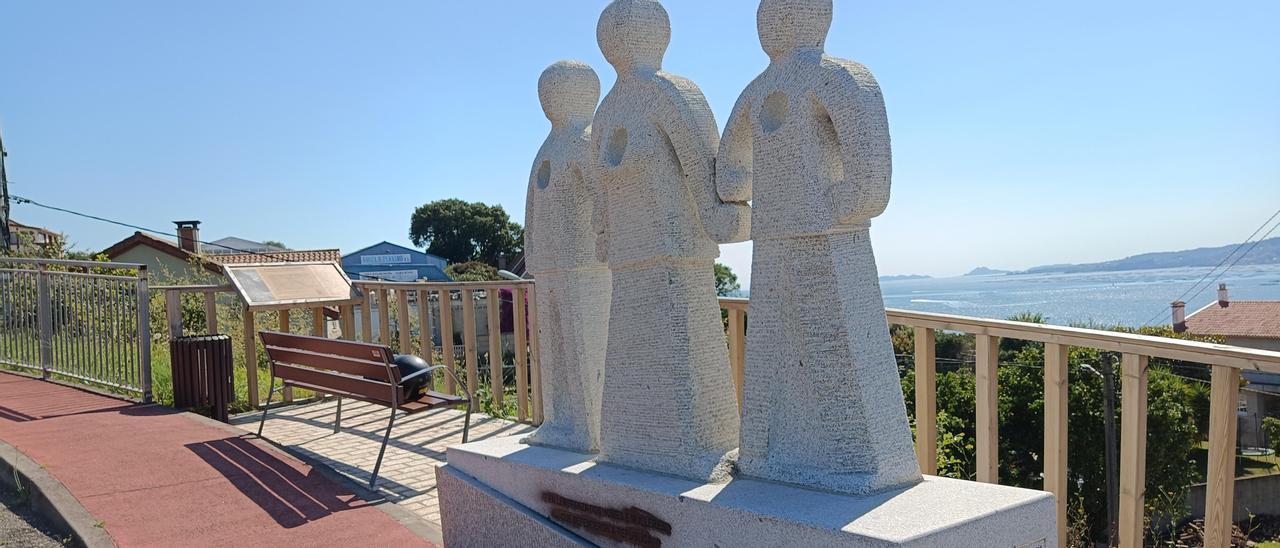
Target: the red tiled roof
(317, 255)
(213, 262)
(1256, 319)
(159, 244)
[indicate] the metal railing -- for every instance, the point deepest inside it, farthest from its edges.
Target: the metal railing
(81, 321)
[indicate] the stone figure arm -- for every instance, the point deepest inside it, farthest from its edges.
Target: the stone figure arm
(855, 105)
(687, 121)
(735, 162)
(594, 194)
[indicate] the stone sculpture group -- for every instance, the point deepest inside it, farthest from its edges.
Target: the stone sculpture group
(627, 203)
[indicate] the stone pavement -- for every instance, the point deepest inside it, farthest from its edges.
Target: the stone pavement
(417, 444)
(153, 476)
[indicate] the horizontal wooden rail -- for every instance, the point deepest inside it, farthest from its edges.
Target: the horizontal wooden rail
(1226, 361)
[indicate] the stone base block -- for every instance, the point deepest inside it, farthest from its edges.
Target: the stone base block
(613, 506)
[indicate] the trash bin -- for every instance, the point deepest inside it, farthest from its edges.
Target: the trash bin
(202, 374)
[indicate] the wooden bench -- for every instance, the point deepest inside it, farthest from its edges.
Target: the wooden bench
(353, 370)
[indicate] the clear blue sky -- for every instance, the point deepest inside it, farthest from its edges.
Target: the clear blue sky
(1024, 133)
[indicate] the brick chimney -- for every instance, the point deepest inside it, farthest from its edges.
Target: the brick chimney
(1179, 317)
(1224, 299)
(189, 235)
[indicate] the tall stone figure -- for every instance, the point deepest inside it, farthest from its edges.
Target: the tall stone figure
(563, 228)
(669, 403)
(808, 144)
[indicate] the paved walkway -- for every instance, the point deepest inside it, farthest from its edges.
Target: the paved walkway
(417, 445)
(152, 476)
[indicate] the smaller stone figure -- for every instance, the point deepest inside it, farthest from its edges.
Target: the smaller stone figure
(808, 145)
(564, 227)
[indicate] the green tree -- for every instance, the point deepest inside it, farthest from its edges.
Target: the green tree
(726, 280)
(462, 232)
(473, 271)
(275, 243)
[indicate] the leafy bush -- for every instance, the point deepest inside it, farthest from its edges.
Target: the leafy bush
(1271, 427)
(473, 271)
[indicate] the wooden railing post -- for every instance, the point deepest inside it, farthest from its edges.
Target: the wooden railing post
(347, 321)
(737, 348)
(1219, 504)
(520, 325)
(535, 357)
(251, 357)
(926, 401)
(366, 317)
(384, 317)
(493, 312)
(211, 312)
(987, 399)
(1133, 450)
(446, 338)
(1055, 431)
(173, 312)
(469, 345)
(404, 330)
(424, 333)
(284, 320)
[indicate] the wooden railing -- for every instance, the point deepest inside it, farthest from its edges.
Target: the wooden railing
(1226, 362)
(395, 308)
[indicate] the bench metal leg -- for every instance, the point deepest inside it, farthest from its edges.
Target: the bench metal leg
(373, 482)
(337, 419)
(466, 424)
(270, 392)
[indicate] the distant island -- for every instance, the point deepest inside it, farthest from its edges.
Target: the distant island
(1266, 252)
(984, 271)
(900, 277)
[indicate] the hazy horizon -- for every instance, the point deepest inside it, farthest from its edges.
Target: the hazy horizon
(1024, 134)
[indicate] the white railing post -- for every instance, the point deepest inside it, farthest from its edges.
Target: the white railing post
(144, 333)
(44, 315)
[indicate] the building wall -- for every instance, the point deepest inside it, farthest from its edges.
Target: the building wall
(393, 262)
(1254, 495)
(159, 265)
(1261, 396)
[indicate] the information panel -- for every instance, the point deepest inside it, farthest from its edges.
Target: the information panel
(291, 285)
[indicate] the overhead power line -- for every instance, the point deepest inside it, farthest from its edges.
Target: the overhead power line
(1224, 261)
(27, 201)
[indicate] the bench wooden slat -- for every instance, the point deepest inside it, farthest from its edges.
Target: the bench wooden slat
(359, 368)
(321, 345)
(373, 390)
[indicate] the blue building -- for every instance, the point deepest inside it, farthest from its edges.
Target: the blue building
(390, 262)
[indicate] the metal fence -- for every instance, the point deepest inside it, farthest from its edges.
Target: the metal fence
(81, 321)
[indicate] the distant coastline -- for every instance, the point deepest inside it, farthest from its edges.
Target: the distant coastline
(1265, 252)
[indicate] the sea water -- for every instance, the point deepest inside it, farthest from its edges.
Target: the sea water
(1128, 298)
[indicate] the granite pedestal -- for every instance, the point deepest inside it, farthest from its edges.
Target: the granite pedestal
(524, 494)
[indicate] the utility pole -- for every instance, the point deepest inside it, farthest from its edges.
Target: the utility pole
(4, 200)
(1113, 468)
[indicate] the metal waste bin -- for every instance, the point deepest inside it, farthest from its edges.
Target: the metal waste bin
(202, 374)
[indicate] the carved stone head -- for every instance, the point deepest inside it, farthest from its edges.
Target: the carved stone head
(786, 26)
(634, 34)
(569, 90)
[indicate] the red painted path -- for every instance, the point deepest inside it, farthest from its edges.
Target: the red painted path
(156, 477)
